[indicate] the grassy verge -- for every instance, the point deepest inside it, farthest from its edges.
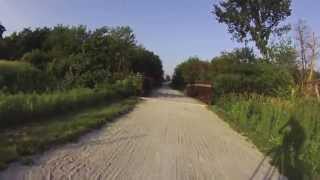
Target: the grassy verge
(33, 138)
(23, 108)
(286, 130)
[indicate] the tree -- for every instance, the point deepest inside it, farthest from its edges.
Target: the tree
(37, 58)
(308, 47)
(2, 30)
(301, 37)
(122, 40)
(146, 63)
(253, 20)
(190, 71)
(240, 55)
(283, 54)
(167, 78)
(314, 46)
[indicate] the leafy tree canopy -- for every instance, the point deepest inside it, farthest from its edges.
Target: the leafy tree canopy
(190, 71)
(73, 56)
(253, 20)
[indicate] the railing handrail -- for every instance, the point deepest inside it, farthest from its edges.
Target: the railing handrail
(200, 85)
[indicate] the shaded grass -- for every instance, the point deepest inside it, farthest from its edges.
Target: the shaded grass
(21, 142)
(20, 76)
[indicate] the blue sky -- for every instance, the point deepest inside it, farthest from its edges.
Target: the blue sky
(174, 30)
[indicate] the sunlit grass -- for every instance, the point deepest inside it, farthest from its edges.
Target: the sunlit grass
(23, 108)
(262, 118)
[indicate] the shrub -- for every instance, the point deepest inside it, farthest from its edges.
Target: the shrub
(17, 76)
(37, 58)
(258, 78)
(131, 85)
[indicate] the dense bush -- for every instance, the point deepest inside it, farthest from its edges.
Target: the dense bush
(37, 58)
(288, 130)
(22, 108)
(18, 76)
(261, 78)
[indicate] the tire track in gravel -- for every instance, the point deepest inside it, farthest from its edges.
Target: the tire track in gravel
(167, 137)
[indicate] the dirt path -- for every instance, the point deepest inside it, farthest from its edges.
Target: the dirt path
(167, 137)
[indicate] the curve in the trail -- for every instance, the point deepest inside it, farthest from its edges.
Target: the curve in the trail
(167, 137)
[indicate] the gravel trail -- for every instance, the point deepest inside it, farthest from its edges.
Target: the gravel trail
(167, 137)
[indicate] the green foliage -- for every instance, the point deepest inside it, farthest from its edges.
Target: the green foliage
(18, 76)
(17, 44)
(132, 85)
(178, 81)
(146, 63)
(77, 57)
(21, 108)
(284, 54)
(253, 20)
(21, 142)
(239, 55)
(238, 71)
(78, 71)
(37, 58)
(287, 130)
(62, 41)
(261, 78)
(190, 71)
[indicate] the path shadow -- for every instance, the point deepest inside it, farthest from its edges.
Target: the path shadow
(167, 95)
(285, 157)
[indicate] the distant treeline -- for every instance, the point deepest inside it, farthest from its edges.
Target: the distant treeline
(240, 71)
(64, 57)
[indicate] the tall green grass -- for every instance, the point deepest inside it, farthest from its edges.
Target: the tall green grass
(287, 130)
(19, 109)
(19, 76)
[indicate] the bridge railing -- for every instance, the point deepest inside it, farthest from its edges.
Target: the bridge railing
(200, 90)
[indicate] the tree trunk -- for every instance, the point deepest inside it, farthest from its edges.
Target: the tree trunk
(317, 90)
(313, 45)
